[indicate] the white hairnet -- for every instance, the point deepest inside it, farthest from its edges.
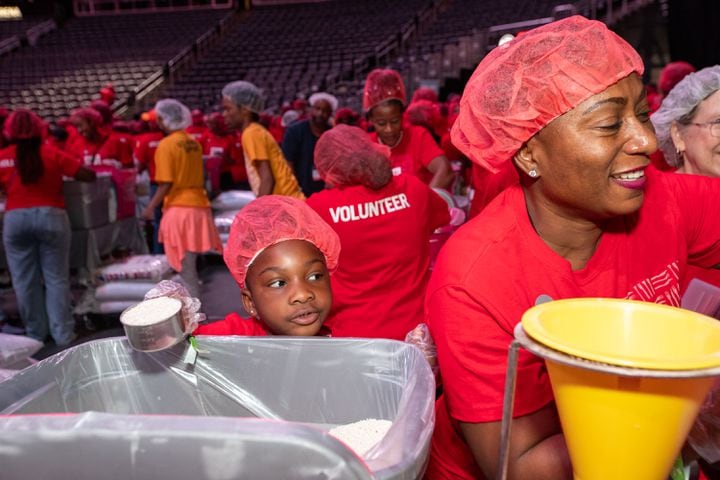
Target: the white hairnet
(680, 103)
(244, 94)
(331, 99)
(175, 115)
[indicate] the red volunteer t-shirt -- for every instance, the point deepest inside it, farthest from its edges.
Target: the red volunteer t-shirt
(197, 132)
(495, 267)
(414, 152)
(379, 286)
(144, 151)
(237, 160)
(233, 324)
(488, 185)
(48, 191)
(112, 150)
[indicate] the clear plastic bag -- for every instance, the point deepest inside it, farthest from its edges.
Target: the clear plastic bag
(421, 338)
(704, 436)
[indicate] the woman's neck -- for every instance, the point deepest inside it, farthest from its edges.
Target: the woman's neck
(574, 239)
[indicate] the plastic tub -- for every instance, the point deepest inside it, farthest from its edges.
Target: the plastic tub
(311, 384)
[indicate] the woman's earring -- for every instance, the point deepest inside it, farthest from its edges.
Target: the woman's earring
(680, 154)
(533, 173)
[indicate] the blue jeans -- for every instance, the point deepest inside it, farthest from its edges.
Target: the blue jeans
(37, 245)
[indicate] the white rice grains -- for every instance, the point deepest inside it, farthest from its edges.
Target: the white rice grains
(151, 311)
(363, 435)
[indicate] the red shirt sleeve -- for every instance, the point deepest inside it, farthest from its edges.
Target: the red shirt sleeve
(69, 165)
(233, 324)
(425, 146)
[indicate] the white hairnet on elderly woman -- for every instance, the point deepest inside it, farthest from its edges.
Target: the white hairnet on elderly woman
(687, 124)
(187, 227)
(564, 104)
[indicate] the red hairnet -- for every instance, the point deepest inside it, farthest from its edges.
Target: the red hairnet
(198, 117)
(671, 74)
(424, 93)
(103, 109)
(23, 124)
(345, 155)
(523, 85)
(89, 114)
(346, 115)
(424, 113)
(272, 219)
(381, 85)
(107, 95)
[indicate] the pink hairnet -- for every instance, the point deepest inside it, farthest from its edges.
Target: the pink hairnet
(89, 114)
(23, 124)
(671, 74)
(345, 155)
(523, 85)
(381, 85)
(424, 93)
(272, 219)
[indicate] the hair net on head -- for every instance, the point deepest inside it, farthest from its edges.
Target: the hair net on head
(424, 113)
(381, 85)
(174, 115)
(523, 85)
(23, 124)
(103, 109)
(346, 115)
(197, 116)
(272, 219)
(289, 117)
(89, 114)
(679, 103)
(346, 156)
(671, 74)
(244, 94)
(424, 93)
(331, 99)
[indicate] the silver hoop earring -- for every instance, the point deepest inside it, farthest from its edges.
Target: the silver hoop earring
(533, 173)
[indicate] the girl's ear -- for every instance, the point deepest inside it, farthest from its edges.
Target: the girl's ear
(248, 303)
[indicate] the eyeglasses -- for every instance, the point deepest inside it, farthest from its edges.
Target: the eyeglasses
(714, 127)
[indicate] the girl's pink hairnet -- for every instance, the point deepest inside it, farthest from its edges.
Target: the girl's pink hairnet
(345, 156)
(23, 124)
(89, 114)
(272, 219)
(381, 85)
(523, 85)
(424, 93)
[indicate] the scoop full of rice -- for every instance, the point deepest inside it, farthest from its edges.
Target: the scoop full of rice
(149, 312)
(363, 435)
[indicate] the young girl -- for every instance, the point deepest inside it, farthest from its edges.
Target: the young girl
(281, 254)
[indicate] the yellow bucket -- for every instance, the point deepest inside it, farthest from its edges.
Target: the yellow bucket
(628, 379)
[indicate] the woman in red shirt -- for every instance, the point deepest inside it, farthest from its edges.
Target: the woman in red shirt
(384, 223)
(413, 149)
(36, 228)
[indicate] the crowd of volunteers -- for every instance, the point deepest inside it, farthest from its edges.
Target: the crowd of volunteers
(582, 182)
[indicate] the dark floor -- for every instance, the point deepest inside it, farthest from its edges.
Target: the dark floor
(219, 295)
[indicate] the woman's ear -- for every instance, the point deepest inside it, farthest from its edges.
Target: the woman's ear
(525, 161)
(677, 137)
(248, 303)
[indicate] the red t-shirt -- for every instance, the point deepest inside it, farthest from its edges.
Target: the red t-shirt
(144, 151)
(48, 191)
(237, 160)
(379, 286)
(112, 150)
(487, 185)
(495, 267)
(197, 132)
(217, 146)
(233, 324)
(413, 154)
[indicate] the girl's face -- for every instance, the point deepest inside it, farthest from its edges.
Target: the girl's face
(387, 119)
(701, 148)
(288, 288)
(591, 161)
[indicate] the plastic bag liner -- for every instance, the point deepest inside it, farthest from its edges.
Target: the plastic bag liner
(154, 416)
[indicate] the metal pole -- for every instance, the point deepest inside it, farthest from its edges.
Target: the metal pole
(508, 404)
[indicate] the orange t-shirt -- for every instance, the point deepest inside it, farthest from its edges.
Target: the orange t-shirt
(178, 160)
